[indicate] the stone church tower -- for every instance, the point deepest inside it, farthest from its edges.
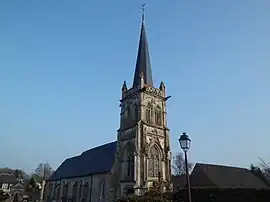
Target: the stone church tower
(143, 147)
(139, 159)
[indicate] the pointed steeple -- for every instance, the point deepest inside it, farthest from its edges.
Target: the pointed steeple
(143, 60)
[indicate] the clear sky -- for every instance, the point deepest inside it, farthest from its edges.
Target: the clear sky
(62, 65)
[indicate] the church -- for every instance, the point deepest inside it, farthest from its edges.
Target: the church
(140, 156)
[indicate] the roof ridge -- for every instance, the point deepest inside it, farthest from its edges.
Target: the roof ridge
(95, 160)
(219, 165)
(205, 173)
(72, 157)
(97, 147)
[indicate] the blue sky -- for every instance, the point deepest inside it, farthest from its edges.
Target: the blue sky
(62, 65)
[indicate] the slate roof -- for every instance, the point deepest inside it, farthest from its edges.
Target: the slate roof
(96, 160)
(8, 178)
(6, 170)
(218, 176)
(143, 61)
(178, 181)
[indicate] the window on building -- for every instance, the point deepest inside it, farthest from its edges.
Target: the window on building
(16, 197)
(85, 191)
(80, 191)
(57, 190)
(74, 191)
(4, 186)
(154, 162)
(102, 191)
(158, 116)
(128, 112)
(130, 165)
(65, 193)
(149, 113)
(49, 192)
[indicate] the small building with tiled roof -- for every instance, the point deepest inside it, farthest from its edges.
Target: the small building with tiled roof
(140, 156)
(7, 178)
(224, 177)
(11, 185)
(6, 181)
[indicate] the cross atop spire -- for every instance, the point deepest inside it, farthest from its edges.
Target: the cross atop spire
(142, 8)
(143, 59)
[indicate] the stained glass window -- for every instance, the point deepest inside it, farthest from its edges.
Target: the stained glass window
(154, 162)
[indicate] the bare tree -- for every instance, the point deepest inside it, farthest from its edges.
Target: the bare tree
(262, 171)
(265, 168)
(178, 166)
(43, 172)
(256, 170)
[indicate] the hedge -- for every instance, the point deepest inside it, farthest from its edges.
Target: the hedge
(204, 195)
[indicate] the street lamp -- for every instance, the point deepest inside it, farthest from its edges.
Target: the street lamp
(184, 141)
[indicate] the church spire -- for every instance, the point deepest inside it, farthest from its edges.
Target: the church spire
(143, 60)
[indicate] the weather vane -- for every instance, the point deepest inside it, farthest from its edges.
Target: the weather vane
(142, 8)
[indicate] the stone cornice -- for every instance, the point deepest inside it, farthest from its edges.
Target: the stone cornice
(156, 126)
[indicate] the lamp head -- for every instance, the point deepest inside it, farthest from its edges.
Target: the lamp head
(184, 142)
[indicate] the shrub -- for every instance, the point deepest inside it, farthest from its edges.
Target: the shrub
(151, 196)
(203, 195)
(3, 195)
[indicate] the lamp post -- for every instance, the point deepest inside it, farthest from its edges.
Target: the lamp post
(184, 141)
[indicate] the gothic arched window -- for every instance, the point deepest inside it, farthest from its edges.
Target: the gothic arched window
(57, 190)
(74, 191)
(154, 162)
(50, 191)
(149, 110)
(102, 191)
(158, 116)
(128, 113)
(130, 165)
(80, 191)
(65, 193)
(85, 191)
